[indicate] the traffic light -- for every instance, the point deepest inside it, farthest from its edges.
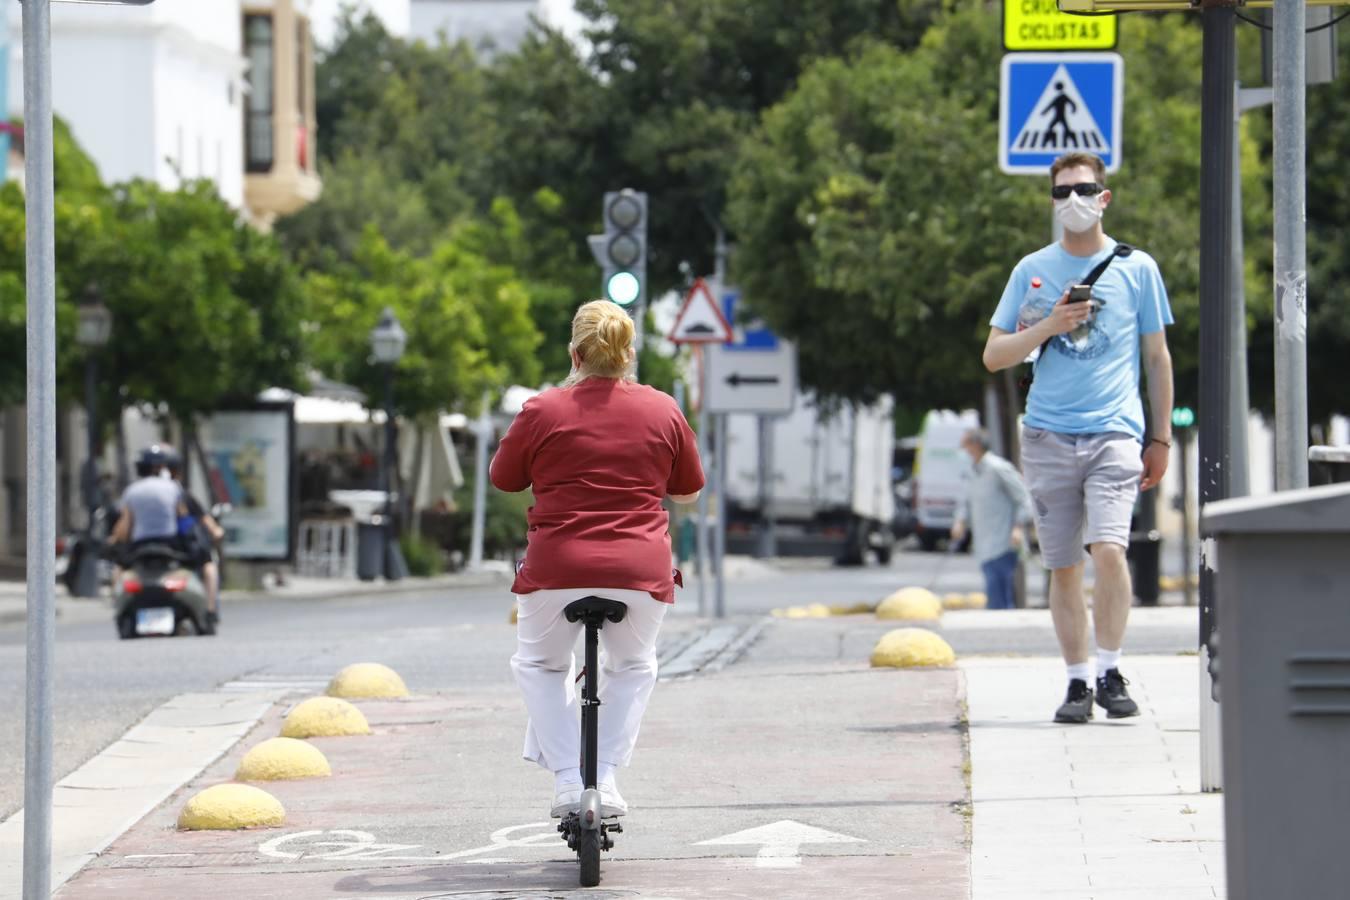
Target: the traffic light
(1183, 417)
(622, 250)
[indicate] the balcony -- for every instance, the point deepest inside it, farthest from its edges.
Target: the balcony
(279, 120)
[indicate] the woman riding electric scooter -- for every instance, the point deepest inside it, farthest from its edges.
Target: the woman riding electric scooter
(600, 453)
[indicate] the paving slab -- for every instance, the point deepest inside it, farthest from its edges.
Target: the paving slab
(1105, 811)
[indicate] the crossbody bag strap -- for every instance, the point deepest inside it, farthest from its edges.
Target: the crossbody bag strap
(1091, 279)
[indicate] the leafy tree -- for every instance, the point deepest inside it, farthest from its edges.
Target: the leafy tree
(887, 229)
(358, 191)
(420, 109)
(467, 321)
(664, 98)
(206, 310)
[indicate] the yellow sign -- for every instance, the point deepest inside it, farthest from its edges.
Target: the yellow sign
(1039, 25)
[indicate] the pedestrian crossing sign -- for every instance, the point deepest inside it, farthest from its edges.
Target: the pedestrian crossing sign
(1052, 103)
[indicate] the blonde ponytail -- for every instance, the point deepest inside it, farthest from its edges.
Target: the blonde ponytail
(602, 336)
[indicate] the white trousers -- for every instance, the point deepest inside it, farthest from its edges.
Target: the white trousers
(545, 669)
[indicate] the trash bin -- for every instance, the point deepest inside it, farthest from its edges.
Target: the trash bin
(1145, 558)
(1329, 465)
(370, 538)
(1283, 607)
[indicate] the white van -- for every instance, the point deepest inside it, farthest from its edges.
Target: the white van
(941, 473)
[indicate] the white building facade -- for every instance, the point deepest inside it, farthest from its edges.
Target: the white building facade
(149, 92)
(497, 24)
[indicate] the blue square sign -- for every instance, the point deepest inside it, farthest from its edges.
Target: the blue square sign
(1051, 103)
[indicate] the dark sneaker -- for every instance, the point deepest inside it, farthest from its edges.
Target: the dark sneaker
(1112, 696)
(1077, 706)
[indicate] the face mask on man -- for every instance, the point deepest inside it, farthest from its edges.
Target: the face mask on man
(1078, 213)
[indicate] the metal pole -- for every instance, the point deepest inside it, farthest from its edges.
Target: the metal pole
(720, 538)
(639, 315)
(1184, 448)
(1216, 310)
(720, 552)
(86, 583)
(765, 545)
(91, 437)
(1239, 478)
(705, 562)
(41, 497)
(480, 477)
(392, 555)
(1291, 257)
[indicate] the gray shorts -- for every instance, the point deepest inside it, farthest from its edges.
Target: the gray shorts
(1083, 486)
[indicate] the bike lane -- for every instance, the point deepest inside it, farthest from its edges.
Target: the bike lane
(784, 775)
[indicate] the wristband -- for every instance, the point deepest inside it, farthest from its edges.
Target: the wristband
(1166, 444)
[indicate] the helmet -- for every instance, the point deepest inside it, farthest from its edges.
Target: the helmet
(156, 457)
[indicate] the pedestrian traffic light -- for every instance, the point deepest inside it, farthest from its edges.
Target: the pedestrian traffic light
(622, 250)
(1183, 417)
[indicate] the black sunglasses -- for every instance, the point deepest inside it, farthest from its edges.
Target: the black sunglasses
(1082, 189)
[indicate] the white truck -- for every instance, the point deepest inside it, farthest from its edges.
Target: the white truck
(831, 492)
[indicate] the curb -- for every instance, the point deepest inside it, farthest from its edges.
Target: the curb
(368, 588)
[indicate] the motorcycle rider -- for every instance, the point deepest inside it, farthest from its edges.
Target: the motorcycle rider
(151, 509)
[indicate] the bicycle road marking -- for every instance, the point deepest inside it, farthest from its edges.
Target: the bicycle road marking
(348, 845)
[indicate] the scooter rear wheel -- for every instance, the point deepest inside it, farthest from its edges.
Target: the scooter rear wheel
(588, 848)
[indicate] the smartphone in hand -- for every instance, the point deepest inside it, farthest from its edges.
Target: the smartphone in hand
(1080, 293)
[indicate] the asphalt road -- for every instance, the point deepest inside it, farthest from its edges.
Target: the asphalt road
(454, 639)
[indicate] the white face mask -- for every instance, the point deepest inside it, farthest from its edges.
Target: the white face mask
(1078, 213)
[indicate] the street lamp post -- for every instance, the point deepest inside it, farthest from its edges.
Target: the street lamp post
(93, 328)
(387, 342)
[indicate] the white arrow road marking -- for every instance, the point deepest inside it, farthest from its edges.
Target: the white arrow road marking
(780, 843)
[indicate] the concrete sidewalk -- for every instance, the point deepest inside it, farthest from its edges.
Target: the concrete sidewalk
(1111, 810)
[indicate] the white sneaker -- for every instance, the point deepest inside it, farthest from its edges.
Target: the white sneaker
(611, 801)
(566, 800)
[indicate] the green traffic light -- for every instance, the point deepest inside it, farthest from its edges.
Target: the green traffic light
(1183, 417)
(623, 288)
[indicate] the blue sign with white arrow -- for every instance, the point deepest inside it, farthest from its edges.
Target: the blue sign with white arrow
(1053, 103)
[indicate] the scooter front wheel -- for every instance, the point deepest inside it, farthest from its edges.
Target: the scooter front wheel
(588, 848)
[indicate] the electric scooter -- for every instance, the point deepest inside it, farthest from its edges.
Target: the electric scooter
(587, 831)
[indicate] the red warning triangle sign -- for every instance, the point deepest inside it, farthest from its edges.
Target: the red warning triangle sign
(700, 320)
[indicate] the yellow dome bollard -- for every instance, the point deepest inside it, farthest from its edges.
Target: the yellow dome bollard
(797, 612)
(976, 600)
(324, 717)
(282, 759)
(953, 601)
(230, 807)
(906, 648)
(368, 681)
(818, 611)
(911, 604)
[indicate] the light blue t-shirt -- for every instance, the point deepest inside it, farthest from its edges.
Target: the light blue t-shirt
(1087, 381)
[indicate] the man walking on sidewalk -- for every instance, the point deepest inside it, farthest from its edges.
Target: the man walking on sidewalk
(1084, 423)
(995, 510)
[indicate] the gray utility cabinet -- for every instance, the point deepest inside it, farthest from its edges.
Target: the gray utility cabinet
(1282, 595)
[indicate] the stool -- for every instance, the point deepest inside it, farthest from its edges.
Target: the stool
(327, 548)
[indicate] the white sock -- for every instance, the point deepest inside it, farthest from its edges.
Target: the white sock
(604, 773)
(1107, 660)
(1081, 671)
(565, 777)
